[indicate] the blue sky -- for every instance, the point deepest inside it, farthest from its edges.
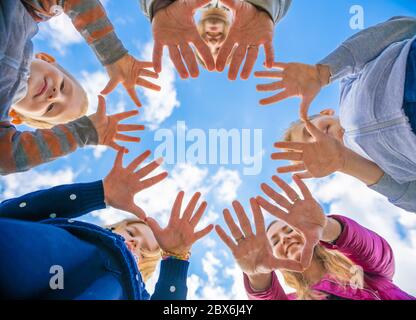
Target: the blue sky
(310, 31)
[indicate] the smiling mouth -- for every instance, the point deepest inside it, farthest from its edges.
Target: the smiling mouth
(289, 246)
(42, 89)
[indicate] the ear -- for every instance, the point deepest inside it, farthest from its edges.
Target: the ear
(45, 57)
(327, 112)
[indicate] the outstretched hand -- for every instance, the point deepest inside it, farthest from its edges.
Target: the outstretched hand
(122, 184)
(296, 80)
(252, 252)
(303, 215)
(108, 127)
(129, 72)
(179, 235)
(316, 159)
(174, 27)
(251, 29)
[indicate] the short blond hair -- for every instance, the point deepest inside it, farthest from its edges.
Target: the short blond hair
(148, 260)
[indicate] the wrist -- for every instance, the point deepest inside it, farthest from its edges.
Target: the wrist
(260, 281)
(324, 73)
(332, 230)
(179, 255)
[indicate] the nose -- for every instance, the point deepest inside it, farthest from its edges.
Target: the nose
(54, 94)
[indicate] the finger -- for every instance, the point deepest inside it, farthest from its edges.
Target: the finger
(292, 156)
(286, 188)
(235, 230)
(236, 61)
(200, 234)
(258, 217)
(117, 147)
(199, 3)
(153, 180)
(190, 60)
(292, 168)
(138, 160)
(290, 145)
(304, 175)
(118, 162)
(243, 219)
(204, 52)
(197, 216)
(269, 52)
(111, 85)
(276, 98)
(101, 108)
(269, 74)
(230, 3)
(304, 107)
(125, 115)
(176, 209)
(131, 91)
(138, 212)
(176, 58)
(272, 209)
(147, 84)
(126, 138)
(143, 172)
(224, 53)
(148, 73)
(146, 64)
(157, 56)
(130, 127)
(287, 264)
(191, 206)
(252, 54)
(225, 238)
(303, 188)
(270, 86)
(278, 198)
(314, 131)
(154, 226)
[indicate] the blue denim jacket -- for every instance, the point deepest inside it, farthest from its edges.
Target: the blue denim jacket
(372, 66)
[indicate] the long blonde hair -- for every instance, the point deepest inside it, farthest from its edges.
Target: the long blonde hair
(336, 265)
(148, 260)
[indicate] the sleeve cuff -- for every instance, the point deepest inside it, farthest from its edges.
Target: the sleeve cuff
(174, 269)
(92, 196)
(109, 49)
(343, 237)
(84, 130)
(340, 62)
(154, 6)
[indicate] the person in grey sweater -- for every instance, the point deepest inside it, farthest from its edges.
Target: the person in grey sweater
(173, 26)
(374, 138)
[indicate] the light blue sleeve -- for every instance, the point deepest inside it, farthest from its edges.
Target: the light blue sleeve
(277, 9)
(401, 195)
(352, 55)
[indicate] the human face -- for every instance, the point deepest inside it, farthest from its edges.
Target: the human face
(214, 34)
(328, 124)
(138, 236)
(286, 243)
(53, 96)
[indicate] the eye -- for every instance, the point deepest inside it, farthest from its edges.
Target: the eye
(275, 243)
(62, 85)
(130, 233)
(289, 230)
(50, 107)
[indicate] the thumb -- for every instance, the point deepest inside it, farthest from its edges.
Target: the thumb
(304, 175)
(138, 212)
(304, 107)
(101, 108)
(314, 131)
(154, 226)
(111, 85)
(286, 264)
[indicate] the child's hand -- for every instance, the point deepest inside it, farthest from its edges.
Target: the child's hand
(129, 72)
(122, 184)
(179, 235)
(317, 159)
(297, 80)
(108, 127)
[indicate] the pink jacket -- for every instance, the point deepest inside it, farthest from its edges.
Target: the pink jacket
(366, 249)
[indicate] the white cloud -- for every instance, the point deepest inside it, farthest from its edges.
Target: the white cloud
(19, 184)
(158, 106)
(93, 83)
(227, 183)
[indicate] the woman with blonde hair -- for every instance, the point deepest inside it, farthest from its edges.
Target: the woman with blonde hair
(47, 254)
(321, 257)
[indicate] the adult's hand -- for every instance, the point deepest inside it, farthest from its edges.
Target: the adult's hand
(174, 27)
(251, 29)
(179, 235)
(122, 184)
(129, 72)
(252, 252)
(317, 159)
(108, 127)
(303, 215)
(297, 80)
